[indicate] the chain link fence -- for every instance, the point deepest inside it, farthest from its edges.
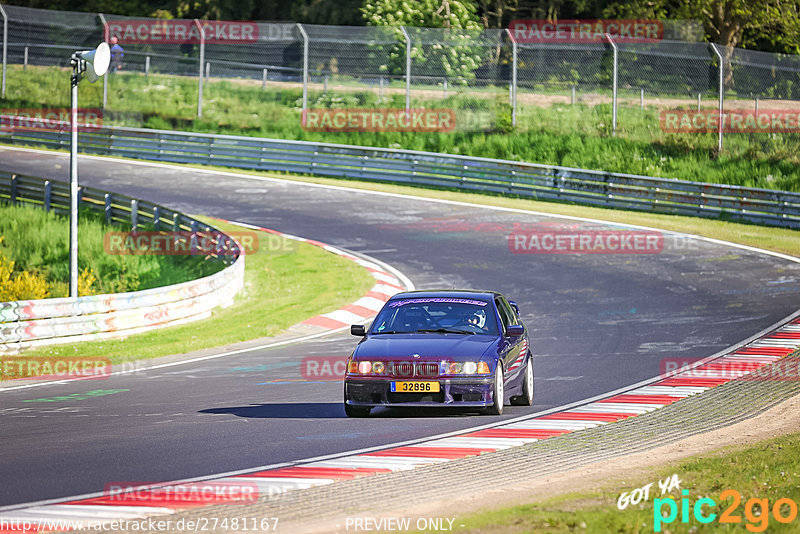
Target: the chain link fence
(490, 79)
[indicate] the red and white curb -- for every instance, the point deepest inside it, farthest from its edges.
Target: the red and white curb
(387, 284)
(273, 482)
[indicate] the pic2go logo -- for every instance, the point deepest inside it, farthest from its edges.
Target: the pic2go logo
(756, 511)
(323, 367)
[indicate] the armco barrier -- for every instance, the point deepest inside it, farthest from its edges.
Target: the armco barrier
(65, 320)
(543, 182)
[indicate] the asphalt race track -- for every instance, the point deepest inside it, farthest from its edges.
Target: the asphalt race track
(598, 321)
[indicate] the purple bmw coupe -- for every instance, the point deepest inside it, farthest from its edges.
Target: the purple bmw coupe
(449, 348)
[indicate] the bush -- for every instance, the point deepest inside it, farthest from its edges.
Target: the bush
(35, 244)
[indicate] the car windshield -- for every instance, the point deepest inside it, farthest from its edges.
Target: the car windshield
(436, 314)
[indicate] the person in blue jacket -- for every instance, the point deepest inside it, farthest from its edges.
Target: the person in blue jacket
(117, 53)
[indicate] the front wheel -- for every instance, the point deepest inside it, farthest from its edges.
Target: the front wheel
(526, 399)
(498, 392)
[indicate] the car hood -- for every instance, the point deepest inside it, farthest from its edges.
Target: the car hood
(428, 346)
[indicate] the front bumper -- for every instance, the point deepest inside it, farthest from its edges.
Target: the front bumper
(453, 392)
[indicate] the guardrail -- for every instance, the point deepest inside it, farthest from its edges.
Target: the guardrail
(66, 320)
(541, 182)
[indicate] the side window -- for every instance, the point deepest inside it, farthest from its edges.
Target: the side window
(510, 313)
(503, 310)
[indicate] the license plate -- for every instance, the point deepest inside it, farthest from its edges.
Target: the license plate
(415, 387)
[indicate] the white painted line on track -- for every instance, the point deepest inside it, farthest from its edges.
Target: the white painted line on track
(478, 443)
(553, 424)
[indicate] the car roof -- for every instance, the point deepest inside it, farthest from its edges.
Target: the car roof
(448, 293)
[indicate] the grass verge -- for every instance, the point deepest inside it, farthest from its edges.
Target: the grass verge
(286, 282)
(762, 475)
(577, 135)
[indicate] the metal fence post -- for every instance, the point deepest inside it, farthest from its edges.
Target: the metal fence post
(721, 93)
(200, 66)
(106, 38)
(264, 79)
(513, 102)
(134, 215)
(408, 67)
(613, 86)
(305, 66)
(107, 200)
(147, 66)
(48, 195)
(5, 47)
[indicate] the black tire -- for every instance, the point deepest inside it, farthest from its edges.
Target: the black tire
(498, 392)
(526, 399)
(356, 411)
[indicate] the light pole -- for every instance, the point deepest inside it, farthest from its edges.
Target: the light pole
(92, 64)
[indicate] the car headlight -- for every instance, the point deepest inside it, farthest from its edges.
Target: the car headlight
(365, 367)
(468, 368)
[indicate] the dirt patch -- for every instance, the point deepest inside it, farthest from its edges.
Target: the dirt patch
(525, 98)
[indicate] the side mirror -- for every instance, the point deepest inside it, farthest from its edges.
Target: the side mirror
(514, 305)
(515, 330)
(358, 330)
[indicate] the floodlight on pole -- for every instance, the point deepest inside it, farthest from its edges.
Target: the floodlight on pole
(92, 64)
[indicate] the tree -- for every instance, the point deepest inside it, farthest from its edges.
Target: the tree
(423, 13)
(730, 23)
(451, 52)
(772, 24)
(497, 13)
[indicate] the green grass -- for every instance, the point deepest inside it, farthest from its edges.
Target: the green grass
(768, 470)
(286, 282)
(558, 134)
(38, 242)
